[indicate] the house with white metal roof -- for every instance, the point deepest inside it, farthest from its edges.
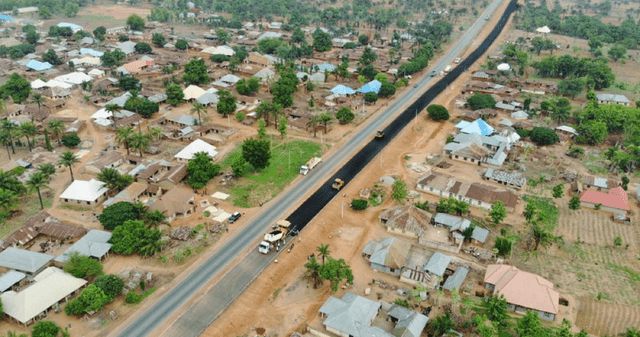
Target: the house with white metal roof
(84, 192)
(51, 287)
(196, 146)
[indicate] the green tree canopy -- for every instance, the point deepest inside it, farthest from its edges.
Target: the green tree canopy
(175, 95)
(481, 101)
(92, 299)
(438, 112)
(16, 87)
(83, 266)
(116, 214)
(497, 212)
(321, 40)
(110, 284)
(133, 236)
(135, 22)
(226, 103)
(543, 136)
(200, 170)
(345, 115)
(195, 72)
(45, 329)
(256, 152)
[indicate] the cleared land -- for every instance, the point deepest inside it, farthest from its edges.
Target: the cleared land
(259, 187)
(606, 319)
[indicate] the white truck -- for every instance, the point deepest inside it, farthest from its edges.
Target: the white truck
(313, 162)
(447, 69)
(275, 239)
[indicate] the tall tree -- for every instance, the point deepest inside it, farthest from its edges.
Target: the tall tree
(123, 137)
(113, 109)
(199, 109)
(67, 159)
(256, 152)
(140, 142)
(56, 127)
(36, 182)
(29, 131)
(10, 131)
(312, 272)
(324, 251)
(37, 99)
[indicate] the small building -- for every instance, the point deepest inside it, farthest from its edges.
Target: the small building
(507, 178)
(477, 127)
(455, 280)
(74, 27)
(84, 192)
(36, 65)
(192, 92)
(94, 244)
(51, 287)
(177, 202)
(387, 255)
(599, 183)
(437, 264)
(615, 200)
(10, 279)
(196, 146)
(406, 220)
(131, 194)
(23, 260)
(522, 290)
(613, 99)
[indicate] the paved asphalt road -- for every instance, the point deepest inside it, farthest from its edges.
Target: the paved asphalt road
(214, 301)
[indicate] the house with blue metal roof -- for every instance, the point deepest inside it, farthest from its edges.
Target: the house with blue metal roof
(6, 18)
(36, 65)
(373, 86)
(342, 90)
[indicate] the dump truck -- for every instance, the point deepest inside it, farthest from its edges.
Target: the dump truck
(447, 69)
(313, 162)
(337, 184)
(275, 238)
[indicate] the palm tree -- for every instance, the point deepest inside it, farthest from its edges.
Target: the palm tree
(140, 141)
(313, 272)
(5, 139)
(324, 251)
(324, 118)
(313, 124)
(57, 128)
(154, 133)
(112, 108)
(10, 131)
(8, 200)
(110, 177)
(37, 99)
(29, 131)
(67, 159)
(199, 109)
(47, 169)
(37, 181)
(123, 136)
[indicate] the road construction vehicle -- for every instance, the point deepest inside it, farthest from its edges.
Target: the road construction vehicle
(313, 162)
(337, 184)
(275, 239)
(379, 134)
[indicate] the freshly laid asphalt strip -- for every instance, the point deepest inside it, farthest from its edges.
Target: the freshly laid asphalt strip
(214, 301)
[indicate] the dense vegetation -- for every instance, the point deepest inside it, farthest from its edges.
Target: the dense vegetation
(580, 25)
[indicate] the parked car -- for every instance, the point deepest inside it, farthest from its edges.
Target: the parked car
(234, 217)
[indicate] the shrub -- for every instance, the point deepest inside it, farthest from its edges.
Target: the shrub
(111, 285)
(345, 115)
(438, 112)
(133, 298)
(370, 97)
(83, 266)
(359, 204)
(481, 101)
(70, 139)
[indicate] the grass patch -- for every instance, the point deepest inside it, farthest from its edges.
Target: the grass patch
(546, 210)
(595, 163)
(258, 187)
(628, 272)
(29, 206)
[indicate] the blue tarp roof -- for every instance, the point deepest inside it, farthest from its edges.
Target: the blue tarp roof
(38, 66)
(6, 18)
(342, 90)
(373, 86)
(91, 52)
